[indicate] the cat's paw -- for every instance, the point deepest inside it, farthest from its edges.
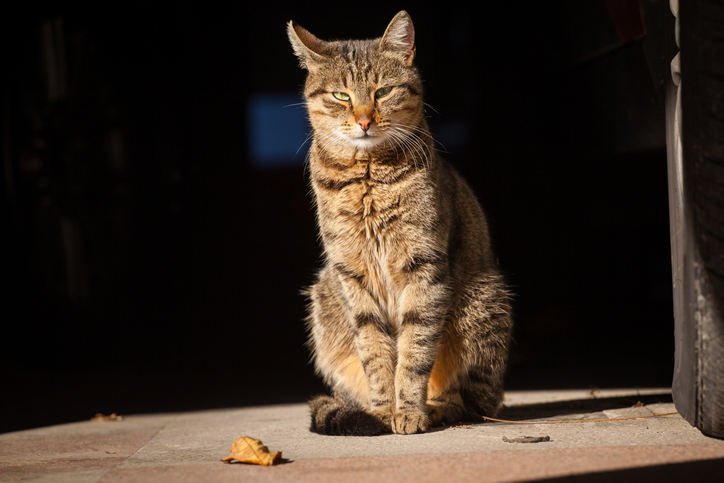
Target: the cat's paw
(410, 423)
(385, 417)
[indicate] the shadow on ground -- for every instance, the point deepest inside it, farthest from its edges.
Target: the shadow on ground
(700, 471)
(560, 408)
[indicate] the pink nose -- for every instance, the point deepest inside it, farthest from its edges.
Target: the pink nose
(364, 122)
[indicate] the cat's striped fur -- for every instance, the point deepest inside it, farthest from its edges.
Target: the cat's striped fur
(409, 319)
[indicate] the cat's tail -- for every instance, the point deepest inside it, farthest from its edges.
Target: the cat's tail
(335, 417)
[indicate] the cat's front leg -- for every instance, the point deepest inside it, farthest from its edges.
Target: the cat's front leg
(376, 349)
(418, 343)
(375, 344)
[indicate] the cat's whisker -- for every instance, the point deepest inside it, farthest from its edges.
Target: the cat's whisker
(296, 104)
(307, 138)
(425, 132)
(424, 147)
(392, 138)
(432, 108)
(329, 140)
(413, 142)
(403, 142)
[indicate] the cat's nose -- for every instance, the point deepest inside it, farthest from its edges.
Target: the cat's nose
(364, 122)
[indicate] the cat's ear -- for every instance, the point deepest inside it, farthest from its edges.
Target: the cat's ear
(307, 47)
(400, 37)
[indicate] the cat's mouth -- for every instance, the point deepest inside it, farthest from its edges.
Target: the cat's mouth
(366, 140)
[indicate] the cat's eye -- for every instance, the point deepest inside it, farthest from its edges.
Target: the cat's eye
(341, 96)
(382, 92)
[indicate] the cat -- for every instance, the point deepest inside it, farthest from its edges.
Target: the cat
(409, 318)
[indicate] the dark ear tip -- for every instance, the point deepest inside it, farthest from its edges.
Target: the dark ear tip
(294, 28)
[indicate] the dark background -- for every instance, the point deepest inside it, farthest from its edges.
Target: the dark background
(148, 264)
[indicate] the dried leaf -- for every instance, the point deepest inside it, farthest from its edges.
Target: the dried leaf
(101, 418)
(638, 404)
(250, 450)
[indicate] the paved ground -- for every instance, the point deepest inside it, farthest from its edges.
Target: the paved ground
(187, 446)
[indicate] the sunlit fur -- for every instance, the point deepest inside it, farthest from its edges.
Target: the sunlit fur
(409, 319)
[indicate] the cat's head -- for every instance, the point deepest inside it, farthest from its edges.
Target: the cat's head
(362, 94)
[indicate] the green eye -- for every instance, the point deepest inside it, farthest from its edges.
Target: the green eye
(382, 92)
(341, 96)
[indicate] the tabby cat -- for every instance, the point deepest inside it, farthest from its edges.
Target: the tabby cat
(409, 318)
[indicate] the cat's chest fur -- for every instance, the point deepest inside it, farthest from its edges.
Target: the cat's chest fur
(367, 193)
(371, 221)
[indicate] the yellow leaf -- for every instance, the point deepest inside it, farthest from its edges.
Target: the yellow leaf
(250, 450)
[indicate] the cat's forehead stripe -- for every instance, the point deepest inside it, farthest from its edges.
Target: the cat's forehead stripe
(360, 61)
